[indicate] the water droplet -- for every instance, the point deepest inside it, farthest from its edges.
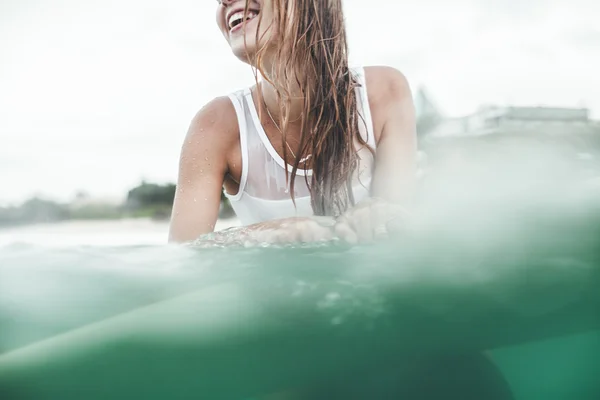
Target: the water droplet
(206, 158)
(337, 320)
(195, 200)
(201, 171)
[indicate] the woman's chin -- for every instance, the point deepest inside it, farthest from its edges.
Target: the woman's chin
(243, 52)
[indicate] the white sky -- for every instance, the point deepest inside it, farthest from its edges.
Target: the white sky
(96, 95)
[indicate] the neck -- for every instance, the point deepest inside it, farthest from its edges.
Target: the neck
(269, 95)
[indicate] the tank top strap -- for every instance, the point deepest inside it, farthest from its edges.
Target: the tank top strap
(237, 99)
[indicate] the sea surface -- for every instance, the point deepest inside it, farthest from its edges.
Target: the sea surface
(89, 302)
(115, 233)
(497, 262)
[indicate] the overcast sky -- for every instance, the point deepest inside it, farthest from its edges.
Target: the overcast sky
(95, 95)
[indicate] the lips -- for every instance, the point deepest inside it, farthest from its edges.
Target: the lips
(235, 17)
(238, 18)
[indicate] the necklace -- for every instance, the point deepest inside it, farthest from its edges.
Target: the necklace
(304, 159)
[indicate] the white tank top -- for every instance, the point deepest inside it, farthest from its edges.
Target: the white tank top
(263, 193)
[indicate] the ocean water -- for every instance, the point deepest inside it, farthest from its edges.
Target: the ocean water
(490, 290)
(107, 318)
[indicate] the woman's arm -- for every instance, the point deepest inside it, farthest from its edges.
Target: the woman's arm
(394, 178)
(202, 169)
(395, 166)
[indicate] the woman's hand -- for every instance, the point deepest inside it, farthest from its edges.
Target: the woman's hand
(370, 220)
(293, 230)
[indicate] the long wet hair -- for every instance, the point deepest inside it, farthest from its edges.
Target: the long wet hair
(309, 50)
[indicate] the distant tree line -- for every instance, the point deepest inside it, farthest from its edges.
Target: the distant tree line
(145, 200)
(151, 194)
(33, 210)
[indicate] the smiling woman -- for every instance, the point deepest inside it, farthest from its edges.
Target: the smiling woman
(313, 137)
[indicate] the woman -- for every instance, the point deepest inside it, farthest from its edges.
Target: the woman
(312, 138)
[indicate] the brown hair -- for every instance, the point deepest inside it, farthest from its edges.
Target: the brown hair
(312, 54)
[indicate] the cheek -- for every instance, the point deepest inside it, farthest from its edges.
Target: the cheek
(267, 25)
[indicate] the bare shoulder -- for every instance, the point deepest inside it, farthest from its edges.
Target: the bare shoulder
(214, 127)
(211, 144)
(390, 97)
(386, 84)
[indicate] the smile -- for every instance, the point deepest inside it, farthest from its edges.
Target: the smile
(235, 20)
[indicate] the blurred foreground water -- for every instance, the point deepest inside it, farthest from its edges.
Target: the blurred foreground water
(501, 258)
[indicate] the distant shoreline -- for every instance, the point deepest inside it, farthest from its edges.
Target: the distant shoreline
(222, 223)
(115, 232)
(34, 223)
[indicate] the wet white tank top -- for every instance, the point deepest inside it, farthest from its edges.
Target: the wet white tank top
(263, 193)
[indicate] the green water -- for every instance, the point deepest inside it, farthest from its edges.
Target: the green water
(490, 291)
(562, 368)
(232, 323)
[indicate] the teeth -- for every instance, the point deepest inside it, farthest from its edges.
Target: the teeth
(237, 18)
